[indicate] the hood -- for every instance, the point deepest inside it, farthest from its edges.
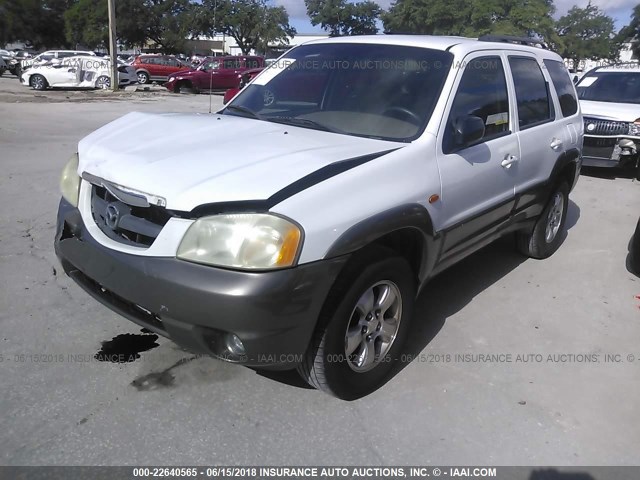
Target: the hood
(623, 112)
(182, 73)
(194, 159)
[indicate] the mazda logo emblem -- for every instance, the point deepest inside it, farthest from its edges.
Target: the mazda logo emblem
(591, 127)
(111, 216)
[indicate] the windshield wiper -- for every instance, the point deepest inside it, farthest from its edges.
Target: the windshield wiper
(245, 110)
(304, 122)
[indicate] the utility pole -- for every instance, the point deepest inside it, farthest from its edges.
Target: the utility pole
(113, 47)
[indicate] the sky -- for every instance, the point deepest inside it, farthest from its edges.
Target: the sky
(619, 10)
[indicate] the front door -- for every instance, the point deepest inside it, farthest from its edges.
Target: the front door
(478, 180)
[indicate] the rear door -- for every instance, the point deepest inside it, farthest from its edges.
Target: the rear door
(478, 181)
(228, 74)
(542, 139)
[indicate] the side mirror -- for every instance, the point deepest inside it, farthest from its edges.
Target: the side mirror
(468, 129)
(575, 79)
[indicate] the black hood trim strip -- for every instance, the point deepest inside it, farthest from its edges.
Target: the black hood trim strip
(290, 190)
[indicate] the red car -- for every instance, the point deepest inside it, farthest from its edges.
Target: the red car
(157, 67)
(215, 73)
(245, 78)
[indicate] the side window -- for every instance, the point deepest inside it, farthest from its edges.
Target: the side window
(253, 63)
(482, 92)
(532, 92)
(564, 87)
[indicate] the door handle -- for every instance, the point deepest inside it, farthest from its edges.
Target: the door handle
(556, 143)
(509, 160)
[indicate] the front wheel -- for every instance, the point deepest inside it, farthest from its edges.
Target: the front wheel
(548, 232)
(38, 82)
(363, 326)
(143, 77)
(103, 82)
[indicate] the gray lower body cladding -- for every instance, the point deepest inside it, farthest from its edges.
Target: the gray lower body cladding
(273, 313)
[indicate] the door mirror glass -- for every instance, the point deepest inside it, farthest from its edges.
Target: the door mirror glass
(467, 130)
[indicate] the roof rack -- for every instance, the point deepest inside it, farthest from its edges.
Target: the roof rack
(533, 42)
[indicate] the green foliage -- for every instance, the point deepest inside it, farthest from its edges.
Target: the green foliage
(631, 32)
(472, 18)
(165, 22)
(251, 23)
(587, 33)
(38, 22)
(338, 17)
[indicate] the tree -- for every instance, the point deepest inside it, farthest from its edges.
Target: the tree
(339, 17)
(631, 33)
(473, 18)
(251, 23)
(38, 22)
(586, 33)
(166, 23)
(428, 17)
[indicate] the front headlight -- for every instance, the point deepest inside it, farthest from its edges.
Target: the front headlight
(171, 79)
(70, 181)
(634, 128)
(243, 240)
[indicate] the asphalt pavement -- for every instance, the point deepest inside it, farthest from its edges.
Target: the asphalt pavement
(517, 361)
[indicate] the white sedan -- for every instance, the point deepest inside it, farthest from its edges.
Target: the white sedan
(77, 72)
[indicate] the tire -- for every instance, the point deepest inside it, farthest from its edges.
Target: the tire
(38, 82)
(548, 233)
(143, 77)
(182, 85)
(103, 82)
(350, 370)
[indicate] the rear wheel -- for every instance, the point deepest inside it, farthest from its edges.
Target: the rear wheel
(143, 77)
(38, 82)
(548, 232)
(103, 82)
(363, 326)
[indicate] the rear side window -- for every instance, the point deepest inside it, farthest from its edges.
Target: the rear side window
(564, 87)
(482, 92)
(253, 63)
(532, 92)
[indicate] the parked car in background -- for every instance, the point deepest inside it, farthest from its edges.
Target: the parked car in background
(77, 72)
(14, 64)
(331, 197)
(51, 55)
(610, 100)
(245, 78)
(3, 66)
(157, 67)
(215, 73)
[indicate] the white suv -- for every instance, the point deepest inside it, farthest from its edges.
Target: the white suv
(610, 100)
(51, 56)
(331, 189)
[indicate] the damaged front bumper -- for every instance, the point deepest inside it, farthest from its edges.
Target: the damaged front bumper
(204, 309)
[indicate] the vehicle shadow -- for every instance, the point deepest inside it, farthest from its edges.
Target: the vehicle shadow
(445, 295)
(452, 290)
(633, 255)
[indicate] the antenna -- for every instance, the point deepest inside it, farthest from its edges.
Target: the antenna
(215, 7)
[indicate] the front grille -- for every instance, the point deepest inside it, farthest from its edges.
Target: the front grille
(594, 126)
(137, 226)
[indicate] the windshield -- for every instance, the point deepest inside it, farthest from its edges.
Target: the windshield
(378, 91)
(618, 87)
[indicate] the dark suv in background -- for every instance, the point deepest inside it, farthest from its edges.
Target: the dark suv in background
(157, 67)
